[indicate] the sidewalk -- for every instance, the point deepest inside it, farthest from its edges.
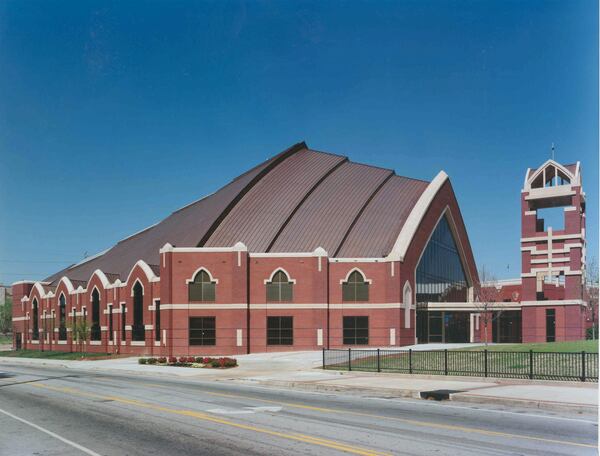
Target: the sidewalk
(301, 370)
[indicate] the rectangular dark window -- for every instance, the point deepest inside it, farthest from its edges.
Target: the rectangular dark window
(550, 325)
(123, 321)
(110, 323)
(157, 321)
(202, 331)
(356, 330)
(280, 330)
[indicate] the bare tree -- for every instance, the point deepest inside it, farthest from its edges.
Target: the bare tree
(591, 289)
(487, 300)
(80, 331)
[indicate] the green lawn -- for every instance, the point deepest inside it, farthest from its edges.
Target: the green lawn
(5, 340)
(50, 354)
(552, 361)
(590, 346)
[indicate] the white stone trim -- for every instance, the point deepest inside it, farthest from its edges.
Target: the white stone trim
(95, 342)
(147, 271)
(319, 337)
(137, 280)
(287, 274)
(415, 217)
(203, 306)
(392, 336)
(239, 334)
(554, 237)
(103, 279)
(149, 327)
(197, 271)
(565, 302)
(20, 318)
(318, 252)
(239, 246)
(364, 276)
(138, 343)
(283, 306)
(61, 342)
(367, 305)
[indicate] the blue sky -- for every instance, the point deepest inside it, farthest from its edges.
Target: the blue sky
(114, 114)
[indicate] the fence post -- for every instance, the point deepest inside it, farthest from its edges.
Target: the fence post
(323, 358)
(349, 359)
(410, 360)
(583, 366)
(445, 361)
(530, 364)
(485, 362)
(378, 362)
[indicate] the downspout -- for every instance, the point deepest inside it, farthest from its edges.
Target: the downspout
(248, 302)
(327, 288)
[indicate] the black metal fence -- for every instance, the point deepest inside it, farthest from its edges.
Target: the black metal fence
(581, 366)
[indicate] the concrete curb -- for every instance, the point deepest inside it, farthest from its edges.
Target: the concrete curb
(525, 403)
(456, 397)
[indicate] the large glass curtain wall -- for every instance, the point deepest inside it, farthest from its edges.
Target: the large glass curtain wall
(440, 274)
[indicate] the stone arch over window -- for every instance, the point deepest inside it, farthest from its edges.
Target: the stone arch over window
(355, 288)
(35, 330)
(202, 286)
(62, 317)
(279, 287)
(95, 328)
(407, 301)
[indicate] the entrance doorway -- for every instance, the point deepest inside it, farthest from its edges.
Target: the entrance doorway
(507, 327)
(443, 326)
(18, 341)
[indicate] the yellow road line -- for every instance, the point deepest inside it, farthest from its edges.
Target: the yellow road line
(449, 427)
(348, 448)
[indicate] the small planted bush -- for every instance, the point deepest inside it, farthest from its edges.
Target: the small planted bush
(191, 361)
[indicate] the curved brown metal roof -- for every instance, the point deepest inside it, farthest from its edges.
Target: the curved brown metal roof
(296, 201)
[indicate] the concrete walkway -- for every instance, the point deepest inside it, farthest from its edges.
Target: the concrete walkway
(301, 370)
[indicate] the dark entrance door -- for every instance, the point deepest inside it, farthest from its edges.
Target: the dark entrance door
(456, 327)
(507, 327)
(550, 325)
(18, 341)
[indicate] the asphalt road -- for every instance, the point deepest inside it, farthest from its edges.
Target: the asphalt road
(49, 411)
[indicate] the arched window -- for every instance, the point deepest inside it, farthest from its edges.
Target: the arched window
(407, 300)
(280, 288)
(35, 333)
(62, 318)
(138, 331)
(356, 288)
(95, 329)
(202, 288)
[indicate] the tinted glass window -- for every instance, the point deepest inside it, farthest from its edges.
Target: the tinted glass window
(280, 330)
(356, 330)
(202, 330)
(356, 288)
(440, 274)
(95, 329)
(280, 288)
(202, 289)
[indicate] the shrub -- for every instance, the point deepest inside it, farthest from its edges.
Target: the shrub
(162, 360)
(172, 360)
(152, 360)
(198, 359)
(215, 363)
(142, 361)
(229, 362)
(206, 360)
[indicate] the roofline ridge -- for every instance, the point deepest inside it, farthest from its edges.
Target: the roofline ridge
(343, 161)
(279, 158)
(361, 211)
